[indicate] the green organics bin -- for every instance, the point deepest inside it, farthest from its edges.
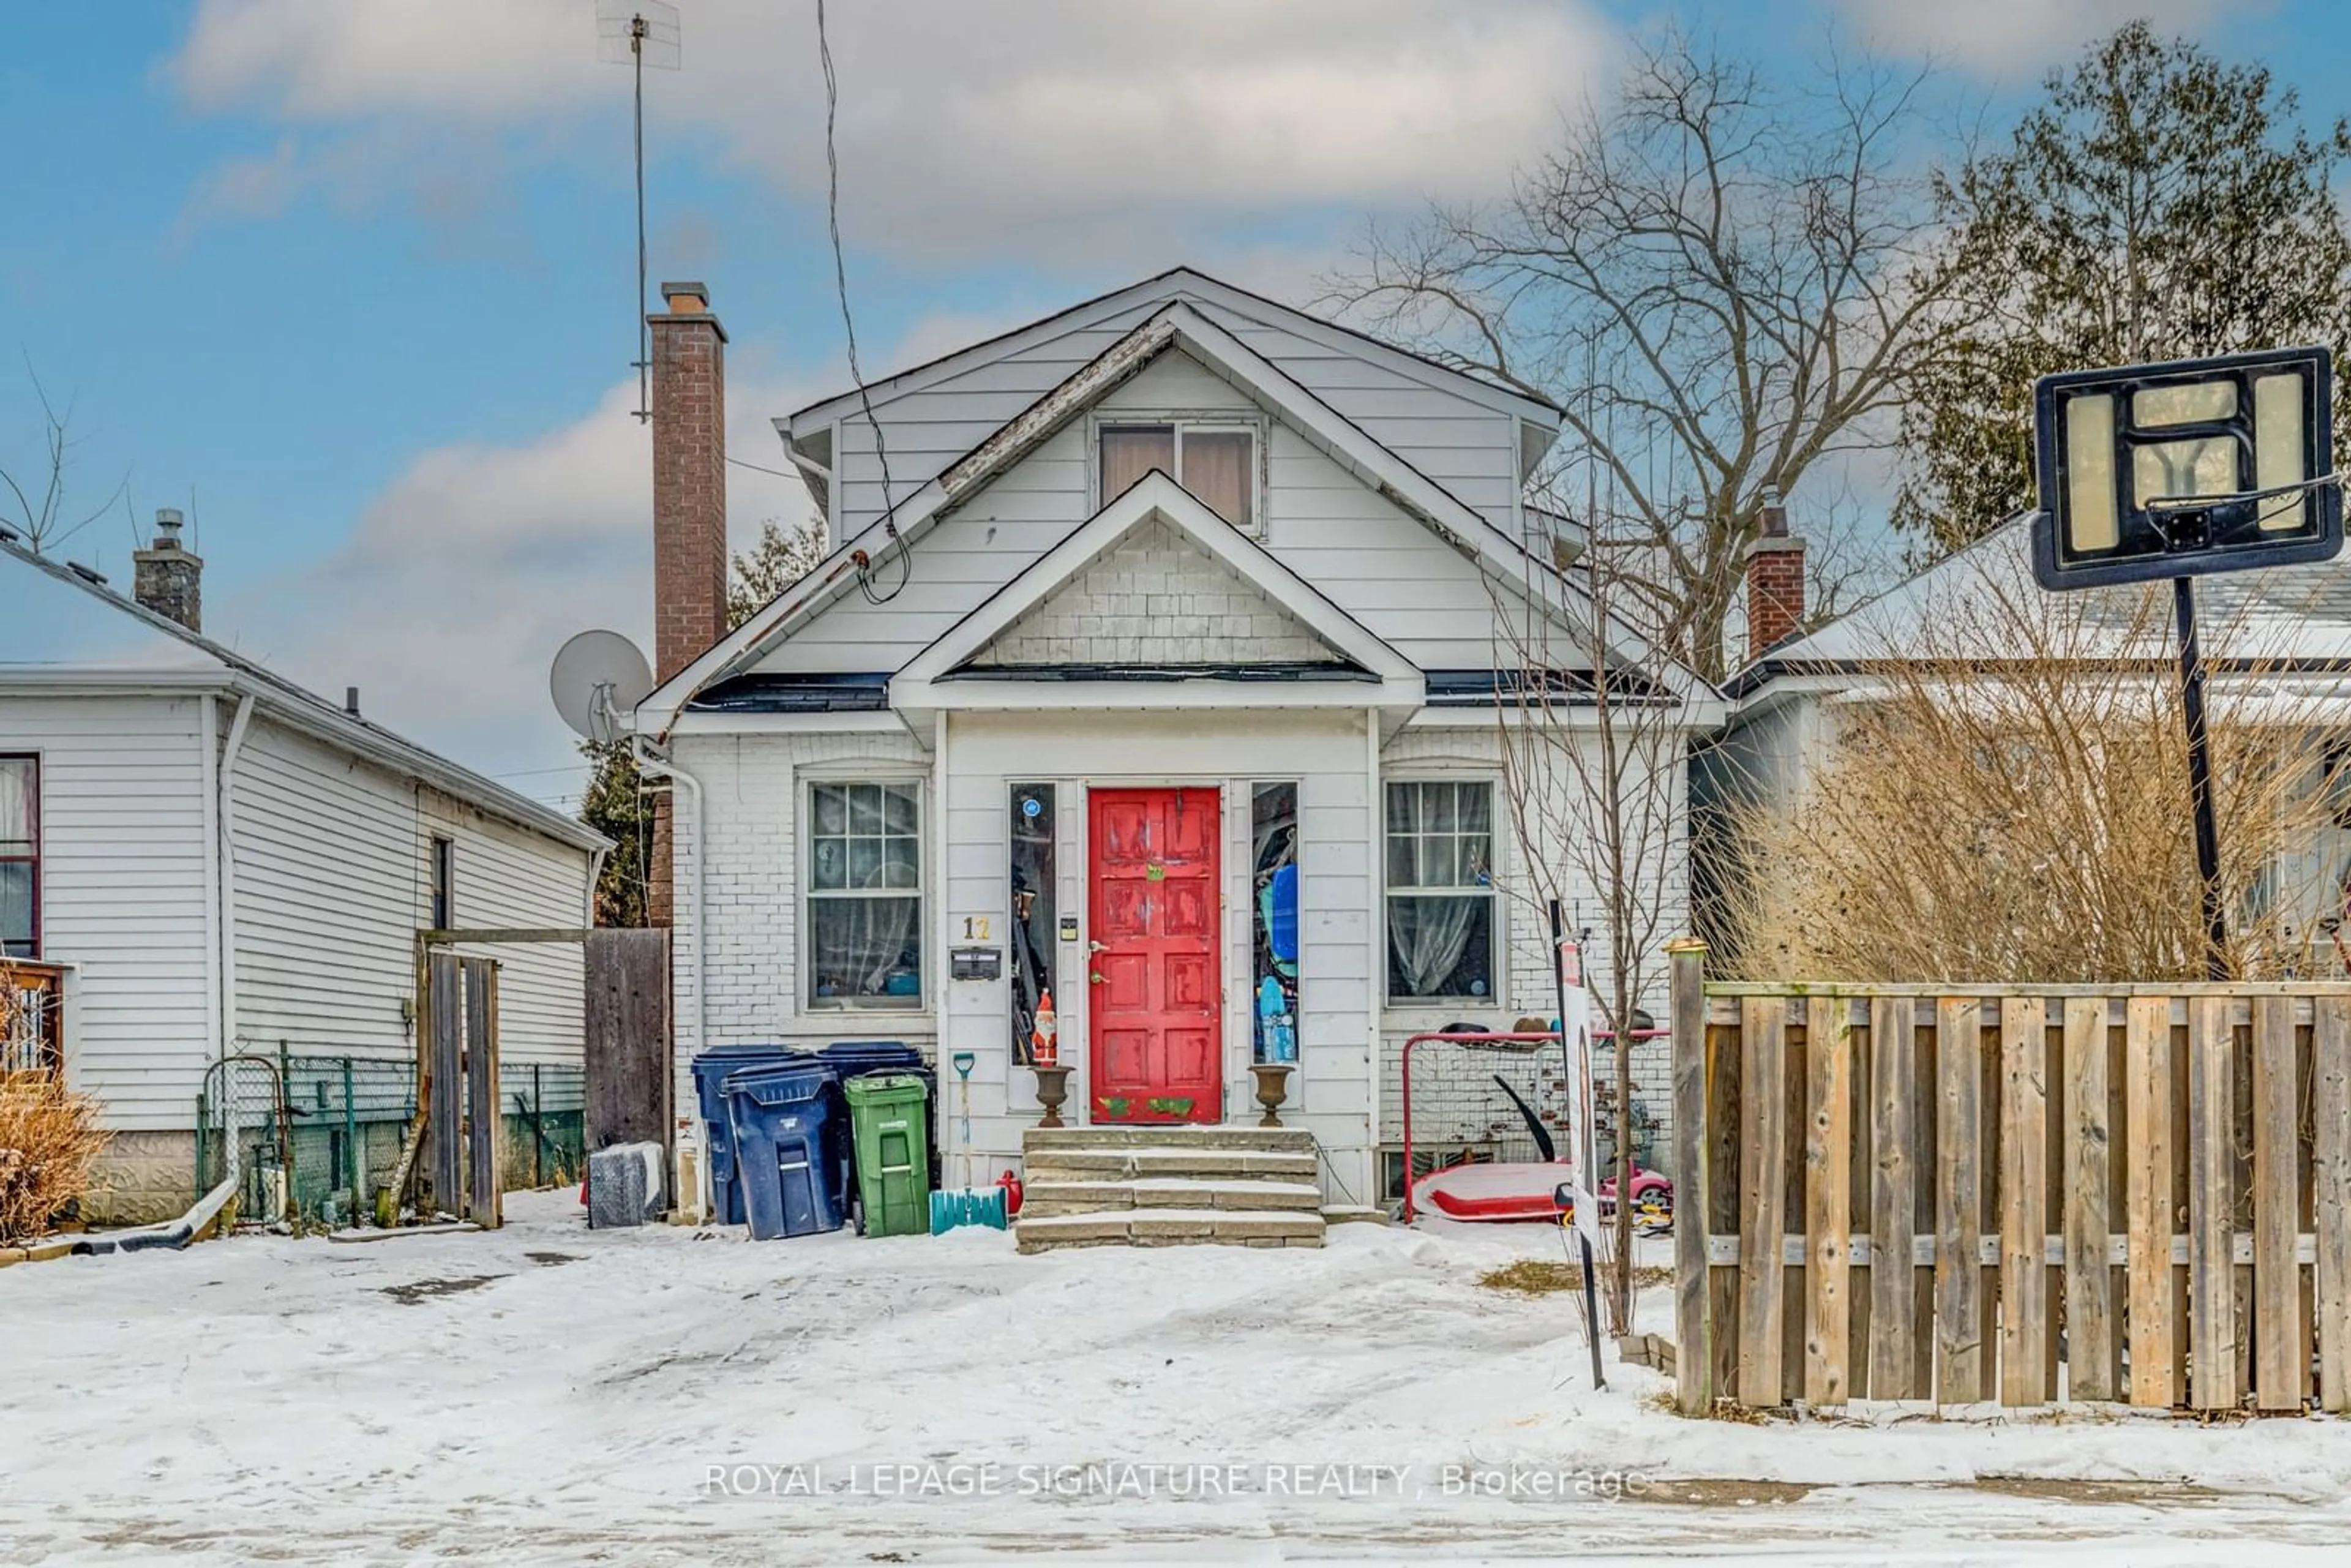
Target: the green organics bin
(889, 1119)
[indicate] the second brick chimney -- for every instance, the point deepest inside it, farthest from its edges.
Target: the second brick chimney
(166, 577)
(1775, 580)
(689, 431)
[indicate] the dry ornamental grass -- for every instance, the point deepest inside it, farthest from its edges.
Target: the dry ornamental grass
(2005, 798)
(49, 1144)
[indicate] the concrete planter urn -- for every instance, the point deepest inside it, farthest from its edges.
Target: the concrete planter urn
(1052, 1089)
(1272, 1087)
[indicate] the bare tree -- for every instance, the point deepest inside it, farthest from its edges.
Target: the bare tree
(1594, 744)
(43, 514)
(1719, 280)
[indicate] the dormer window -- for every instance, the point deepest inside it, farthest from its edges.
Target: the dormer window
(1217, 463)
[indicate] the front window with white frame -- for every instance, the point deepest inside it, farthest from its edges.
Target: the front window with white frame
(1440, 890)
(863, 887)
(1216, 461)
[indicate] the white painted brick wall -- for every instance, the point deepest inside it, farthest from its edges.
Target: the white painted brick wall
(1455, 1101)
(1156, 597)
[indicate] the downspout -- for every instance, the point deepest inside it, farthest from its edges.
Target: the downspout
(686, 1181)
(225, 815)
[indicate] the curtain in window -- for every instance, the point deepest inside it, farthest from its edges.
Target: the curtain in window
(1216, 470)
(1129, 451)
(16, 804)
(866, 948)
(1429, 935)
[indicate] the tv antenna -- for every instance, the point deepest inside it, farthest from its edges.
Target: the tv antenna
(598, 678)
(637, 34)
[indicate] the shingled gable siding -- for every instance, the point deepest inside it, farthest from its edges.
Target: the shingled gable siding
(1156, 597)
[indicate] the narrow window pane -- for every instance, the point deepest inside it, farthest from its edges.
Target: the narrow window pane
(16, 908)
(866, 949)
(1441, 816)
(828, 863)
(1216, 468)
(864, 863)
(1404, 815)
(1131, 451)
(1403, 871)
(1477, 807)
(898, 808)
(15, 803)
(1273, 824)
(864, 808)
(1034, 907)
(900, 864)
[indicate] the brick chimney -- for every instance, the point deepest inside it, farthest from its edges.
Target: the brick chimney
(166, 578)
(689, 428)
(1775, 580)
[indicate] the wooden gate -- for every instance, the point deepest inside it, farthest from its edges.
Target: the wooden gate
(627, 1033)
(1964, 1193)
(464, 1126)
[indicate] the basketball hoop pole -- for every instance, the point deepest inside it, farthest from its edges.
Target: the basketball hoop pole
(2199, 780)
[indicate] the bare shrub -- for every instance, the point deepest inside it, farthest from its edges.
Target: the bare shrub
(2003, 795)
(49, 1144)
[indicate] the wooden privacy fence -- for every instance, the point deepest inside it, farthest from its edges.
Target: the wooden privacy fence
(1949, 1192)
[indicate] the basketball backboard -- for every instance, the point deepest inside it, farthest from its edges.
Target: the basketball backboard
(2184, 468)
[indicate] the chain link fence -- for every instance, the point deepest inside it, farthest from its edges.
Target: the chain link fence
(311, 1139)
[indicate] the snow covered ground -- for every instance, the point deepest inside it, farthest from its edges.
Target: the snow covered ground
(547, 1395)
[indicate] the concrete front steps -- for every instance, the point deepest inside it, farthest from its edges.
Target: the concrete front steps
(1168, 1187)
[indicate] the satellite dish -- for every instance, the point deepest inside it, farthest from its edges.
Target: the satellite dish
(598, 677)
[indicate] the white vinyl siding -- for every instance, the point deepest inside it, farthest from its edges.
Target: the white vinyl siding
(1466, 446)
(125, 895)
(1379, 564)
(333, 879)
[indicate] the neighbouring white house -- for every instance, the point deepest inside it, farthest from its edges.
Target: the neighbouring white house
(1142, 626)
(2276, 641)
(200, 858)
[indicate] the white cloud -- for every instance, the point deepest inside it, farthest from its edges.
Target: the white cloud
(455, 587)
(1033, 129)
(2012, 39)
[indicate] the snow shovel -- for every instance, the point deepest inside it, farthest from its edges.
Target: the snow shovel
(950, 1209)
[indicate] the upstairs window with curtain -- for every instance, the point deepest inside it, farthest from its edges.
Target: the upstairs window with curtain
(1216, 463)
(20, 857)
(864, 892)
(1440, 890)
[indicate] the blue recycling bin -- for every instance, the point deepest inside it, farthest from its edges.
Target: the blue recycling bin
(711, 1071)
(789, 1129)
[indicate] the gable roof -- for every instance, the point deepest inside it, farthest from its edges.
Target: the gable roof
(66, 630)
(1155, 497)
(2298, 616)
(1176, 282)
(1174, 325)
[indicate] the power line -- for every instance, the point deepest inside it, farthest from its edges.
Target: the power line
(865, 573)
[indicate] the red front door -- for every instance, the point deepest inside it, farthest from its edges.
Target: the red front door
(1155, 996)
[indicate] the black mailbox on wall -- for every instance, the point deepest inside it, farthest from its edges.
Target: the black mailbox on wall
(975, 963)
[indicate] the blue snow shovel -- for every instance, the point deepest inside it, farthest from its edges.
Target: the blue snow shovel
(950, 1209)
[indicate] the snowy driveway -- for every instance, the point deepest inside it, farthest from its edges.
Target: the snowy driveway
(549, 1394)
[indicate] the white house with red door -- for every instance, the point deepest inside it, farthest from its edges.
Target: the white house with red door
(1154, 666)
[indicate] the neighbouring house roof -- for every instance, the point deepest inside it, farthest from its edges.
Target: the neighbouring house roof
(2291, 617)
(66, 630)
(1175, 325)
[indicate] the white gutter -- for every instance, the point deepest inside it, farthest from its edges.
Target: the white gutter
(225, 851)
(689, 1127)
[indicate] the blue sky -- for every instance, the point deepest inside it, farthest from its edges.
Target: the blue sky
(353, 281)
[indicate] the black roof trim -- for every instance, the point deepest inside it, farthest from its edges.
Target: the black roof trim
(865, 692)
(1251, 674)
(1488, 688)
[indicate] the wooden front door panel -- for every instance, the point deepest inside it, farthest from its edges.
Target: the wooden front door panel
(1155, 992)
